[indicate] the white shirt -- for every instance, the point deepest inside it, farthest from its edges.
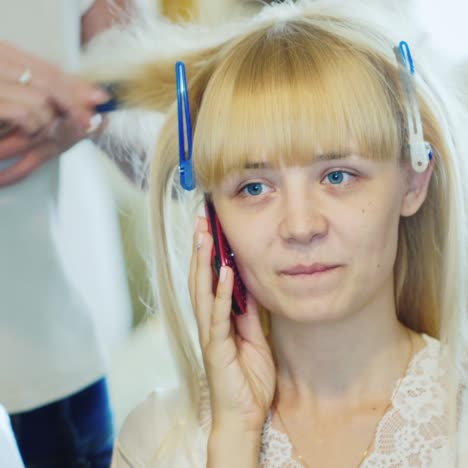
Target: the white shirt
(9, 453)
(64, 295)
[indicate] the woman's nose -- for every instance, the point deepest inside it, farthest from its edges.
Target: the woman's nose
(302, 218)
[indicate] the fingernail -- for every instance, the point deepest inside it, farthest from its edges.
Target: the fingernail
(199, 240)
(222, 274)
(94, 123)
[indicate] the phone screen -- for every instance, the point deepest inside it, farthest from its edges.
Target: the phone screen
(221, 255)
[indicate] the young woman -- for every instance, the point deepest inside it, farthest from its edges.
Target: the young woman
(350, 243)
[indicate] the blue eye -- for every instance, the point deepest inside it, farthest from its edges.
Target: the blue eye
(254, 189)
(338, 177)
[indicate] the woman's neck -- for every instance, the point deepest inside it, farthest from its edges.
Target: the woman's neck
(344, 361)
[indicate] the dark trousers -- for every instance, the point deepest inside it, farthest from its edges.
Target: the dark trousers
(75, 432)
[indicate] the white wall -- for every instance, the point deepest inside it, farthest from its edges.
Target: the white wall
(446, 24)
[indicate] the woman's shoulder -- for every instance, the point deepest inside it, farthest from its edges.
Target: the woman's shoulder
(158, 432)
(144, 429)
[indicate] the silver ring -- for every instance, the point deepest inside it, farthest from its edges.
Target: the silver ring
(25, 77)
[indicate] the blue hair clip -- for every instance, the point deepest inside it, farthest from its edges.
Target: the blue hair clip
(187, 177)
(420, 150)
(406, 56)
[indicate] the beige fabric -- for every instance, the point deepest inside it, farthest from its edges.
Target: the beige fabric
(156, 434)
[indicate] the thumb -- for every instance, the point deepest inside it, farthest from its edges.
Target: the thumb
(14, 144)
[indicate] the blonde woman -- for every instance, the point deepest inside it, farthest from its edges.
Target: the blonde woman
(353, 347)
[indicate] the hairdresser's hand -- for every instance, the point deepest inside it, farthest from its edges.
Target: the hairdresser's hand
(43, 111)
(238, 360)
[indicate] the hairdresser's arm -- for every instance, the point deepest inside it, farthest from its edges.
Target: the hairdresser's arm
(41, 114)
(41, 119)
(104, 14)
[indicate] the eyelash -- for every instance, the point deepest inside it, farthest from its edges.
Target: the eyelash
(243, 188)
(341, 171)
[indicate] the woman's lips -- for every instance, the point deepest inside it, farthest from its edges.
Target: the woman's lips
(314, 269)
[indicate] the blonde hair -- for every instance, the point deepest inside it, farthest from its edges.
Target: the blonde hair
(278, 90)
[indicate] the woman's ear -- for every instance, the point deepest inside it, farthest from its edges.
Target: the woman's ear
(416, 187)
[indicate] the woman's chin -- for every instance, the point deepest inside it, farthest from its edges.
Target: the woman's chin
(309, 310)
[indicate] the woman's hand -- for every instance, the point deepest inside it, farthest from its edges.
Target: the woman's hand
(238, 360)
(43, 111)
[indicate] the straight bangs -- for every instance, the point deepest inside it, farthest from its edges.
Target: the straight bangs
(291, 93)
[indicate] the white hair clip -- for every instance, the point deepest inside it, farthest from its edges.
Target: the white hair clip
(420, 150)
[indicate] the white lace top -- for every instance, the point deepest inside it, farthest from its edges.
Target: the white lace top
(412, 434)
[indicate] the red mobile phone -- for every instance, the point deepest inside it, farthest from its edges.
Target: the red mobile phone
(221, 255)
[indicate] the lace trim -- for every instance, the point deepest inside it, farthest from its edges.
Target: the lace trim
(412, 432)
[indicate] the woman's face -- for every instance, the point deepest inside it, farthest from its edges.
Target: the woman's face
(317, 242)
